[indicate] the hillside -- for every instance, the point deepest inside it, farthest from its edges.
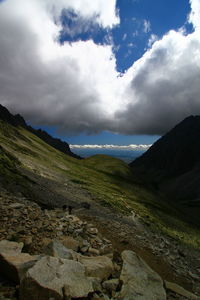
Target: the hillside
(18, 120)
(172, 165)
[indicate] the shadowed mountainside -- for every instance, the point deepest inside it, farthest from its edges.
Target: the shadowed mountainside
(18, 120)
(172, 164)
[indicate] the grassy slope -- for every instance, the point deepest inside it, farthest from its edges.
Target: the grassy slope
(109, 180)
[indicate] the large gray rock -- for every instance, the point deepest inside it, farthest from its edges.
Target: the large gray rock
(55, 278)
(14, 267)
(56, 249)
(13, 263)
(140, 282)
(98, 266)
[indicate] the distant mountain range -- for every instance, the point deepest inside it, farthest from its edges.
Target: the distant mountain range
(172, 164)
(18, 120)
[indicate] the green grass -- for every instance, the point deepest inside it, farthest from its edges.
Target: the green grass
(108, 180)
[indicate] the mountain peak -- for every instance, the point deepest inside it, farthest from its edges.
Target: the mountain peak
(176, 152)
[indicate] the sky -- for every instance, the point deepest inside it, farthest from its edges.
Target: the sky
(102, 71)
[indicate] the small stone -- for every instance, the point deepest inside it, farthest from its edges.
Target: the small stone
(27, 240)
(92, 231)
(70, 243)
(194, 276)
(16, 205)
(84, 249)
(70, 229)
(93, 251)
(107, 241)
(100, 297)
(111, 285)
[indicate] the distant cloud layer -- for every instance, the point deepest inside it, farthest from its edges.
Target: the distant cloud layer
(75, 86)
(112, 147)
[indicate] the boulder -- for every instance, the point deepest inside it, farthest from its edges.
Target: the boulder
(180, 291)
(13, 263)
(56, 249)
(140, 282)
(98, 266)
(14, 267)
(55, 278)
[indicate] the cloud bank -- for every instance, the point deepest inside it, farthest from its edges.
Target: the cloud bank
(112, 147)
(75, 86)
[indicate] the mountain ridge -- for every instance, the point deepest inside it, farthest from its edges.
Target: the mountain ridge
(18, 120)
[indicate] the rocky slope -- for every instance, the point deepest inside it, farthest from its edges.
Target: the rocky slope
(18, 120)
(49, 254)
(172, 165)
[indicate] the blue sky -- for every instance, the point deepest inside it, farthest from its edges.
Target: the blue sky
(101, 71)
(131, 37)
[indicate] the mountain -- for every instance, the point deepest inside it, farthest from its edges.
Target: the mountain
(172, 164)
(18, 120)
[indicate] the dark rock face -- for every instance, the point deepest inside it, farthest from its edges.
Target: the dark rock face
(18, 120)
(176, 153)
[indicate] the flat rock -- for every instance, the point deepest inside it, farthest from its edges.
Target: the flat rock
(55, 278)
(140, 282)
(11, 248)
(14, 267)
(180, 291)
(98, 266)
(16, 205)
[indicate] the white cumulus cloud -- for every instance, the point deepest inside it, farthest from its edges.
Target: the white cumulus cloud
(76, 87)
(147, 26)
(112, 147)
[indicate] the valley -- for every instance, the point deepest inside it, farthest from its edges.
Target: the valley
(124, 209)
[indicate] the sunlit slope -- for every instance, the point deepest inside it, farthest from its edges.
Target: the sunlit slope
(49, 176)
